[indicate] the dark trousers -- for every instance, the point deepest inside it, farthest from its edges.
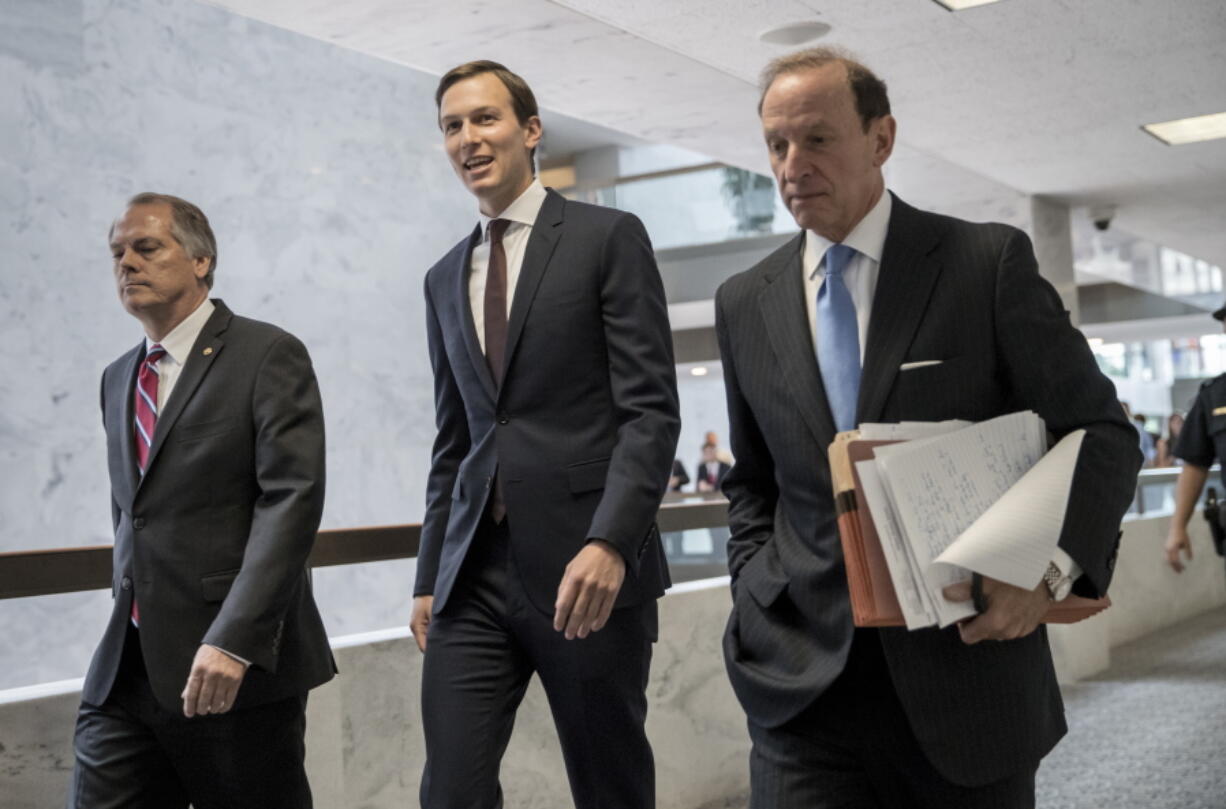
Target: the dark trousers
(481, 651)
(854, 749)
(133, 753)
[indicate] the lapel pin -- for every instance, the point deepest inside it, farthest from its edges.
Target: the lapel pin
(208, 351)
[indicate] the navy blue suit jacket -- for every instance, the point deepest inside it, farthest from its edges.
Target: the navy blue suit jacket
(582, 431)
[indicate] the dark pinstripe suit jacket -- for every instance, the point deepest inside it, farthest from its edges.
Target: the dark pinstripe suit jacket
(969, 295)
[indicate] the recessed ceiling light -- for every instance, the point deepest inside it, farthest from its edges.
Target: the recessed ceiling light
(699, 370)
(958, 5)
(1189, 130)
(796, 33)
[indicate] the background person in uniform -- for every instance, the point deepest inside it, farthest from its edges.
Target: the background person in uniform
(556, 405)
(215, 445)
(910, 316)
(1202, 440)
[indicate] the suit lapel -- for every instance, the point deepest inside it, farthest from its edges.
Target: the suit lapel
(541, 243)
(199, 360)
(787, 323)
(464, 315)
(123, 389)
(904, 283)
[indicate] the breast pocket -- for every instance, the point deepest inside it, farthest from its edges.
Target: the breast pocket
(931, 392)
(203, 429)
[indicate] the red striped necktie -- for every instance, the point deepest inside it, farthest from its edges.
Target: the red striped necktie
(146, 409)
(146, 412)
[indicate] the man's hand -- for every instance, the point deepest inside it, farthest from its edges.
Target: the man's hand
(1013, 612)
(1177, 540)
(419, 620)
(589, 587)
(212, 683)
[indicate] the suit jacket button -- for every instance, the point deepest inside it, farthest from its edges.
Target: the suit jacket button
(502, 419)
(126, 583)
(138, 523)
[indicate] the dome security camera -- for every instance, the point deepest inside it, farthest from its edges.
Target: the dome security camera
(1101, 216)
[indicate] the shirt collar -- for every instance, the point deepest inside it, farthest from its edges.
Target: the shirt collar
(182, 337)
(523, 210)
(867, 237)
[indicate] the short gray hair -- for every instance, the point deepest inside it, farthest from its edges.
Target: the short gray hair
(188, 225)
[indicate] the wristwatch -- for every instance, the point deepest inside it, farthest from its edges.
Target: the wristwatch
(1058, 584)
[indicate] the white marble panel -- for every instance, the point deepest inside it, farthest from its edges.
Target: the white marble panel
(322, 173)
(1147, 595)
(694, 722)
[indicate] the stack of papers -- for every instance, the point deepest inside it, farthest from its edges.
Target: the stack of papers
(945, 499)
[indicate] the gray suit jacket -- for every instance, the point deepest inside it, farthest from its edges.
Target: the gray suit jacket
(969, 295)
(214, 539)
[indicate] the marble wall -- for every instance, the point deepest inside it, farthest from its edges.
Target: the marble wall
(324, 178)
(364, 744)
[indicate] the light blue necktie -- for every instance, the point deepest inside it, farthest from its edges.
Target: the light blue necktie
(838, 339)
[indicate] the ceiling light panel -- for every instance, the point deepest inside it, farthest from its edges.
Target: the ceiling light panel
(1189, 130)
(959, 5)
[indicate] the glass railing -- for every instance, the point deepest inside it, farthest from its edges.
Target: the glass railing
(1156, 491)
(698, 205)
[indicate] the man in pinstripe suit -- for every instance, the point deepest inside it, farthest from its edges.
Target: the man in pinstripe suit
(881, 312)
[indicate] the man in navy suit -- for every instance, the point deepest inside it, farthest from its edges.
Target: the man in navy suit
(556, 407)
(878, 312)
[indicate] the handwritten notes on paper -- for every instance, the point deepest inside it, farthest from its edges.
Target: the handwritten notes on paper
(982, 498)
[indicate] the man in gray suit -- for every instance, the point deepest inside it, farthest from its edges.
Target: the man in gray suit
(215, 444)
(881, 312)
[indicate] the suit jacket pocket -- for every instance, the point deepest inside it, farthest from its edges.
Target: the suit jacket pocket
(763, 576)
(215, 586)
(587, 476)
(203, 429)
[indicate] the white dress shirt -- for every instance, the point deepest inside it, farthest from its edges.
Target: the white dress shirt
(860, 277)
(522, 215)
(178, 345)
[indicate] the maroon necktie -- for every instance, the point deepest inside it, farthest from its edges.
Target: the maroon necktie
(496, 301)
(145, 408)
(496, 332)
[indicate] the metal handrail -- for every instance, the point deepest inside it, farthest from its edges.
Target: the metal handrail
(24, 574)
